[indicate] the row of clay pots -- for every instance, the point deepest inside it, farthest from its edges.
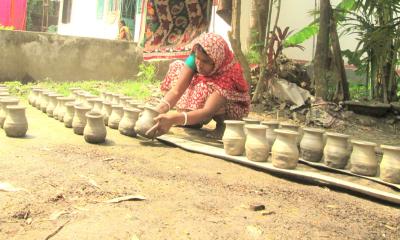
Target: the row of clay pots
(12, 116)
(285, 153)
(87, 109)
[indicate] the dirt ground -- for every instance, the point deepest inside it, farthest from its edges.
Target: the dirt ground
(65, 182)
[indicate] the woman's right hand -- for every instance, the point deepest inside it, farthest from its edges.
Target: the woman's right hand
(163, 123)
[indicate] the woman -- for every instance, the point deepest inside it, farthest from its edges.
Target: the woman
(208, 85)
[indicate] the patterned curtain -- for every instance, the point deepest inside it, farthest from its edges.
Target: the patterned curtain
(169, 26)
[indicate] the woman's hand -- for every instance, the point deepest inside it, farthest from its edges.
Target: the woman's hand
(163, 123)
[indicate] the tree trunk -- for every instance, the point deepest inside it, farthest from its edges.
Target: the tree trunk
(321, 60)
(234, 37)
(342, 86)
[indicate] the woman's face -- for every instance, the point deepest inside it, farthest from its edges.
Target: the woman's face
(204, 63)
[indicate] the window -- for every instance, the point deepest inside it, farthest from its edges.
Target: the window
(66, 13)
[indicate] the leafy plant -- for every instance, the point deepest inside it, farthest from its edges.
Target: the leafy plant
(147, 72)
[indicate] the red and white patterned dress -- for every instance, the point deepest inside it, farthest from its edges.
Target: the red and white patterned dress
(226, 79)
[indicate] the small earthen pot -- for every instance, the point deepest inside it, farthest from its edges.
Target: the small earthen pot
(44, 101)
(106, 111)
(32, 95)
(115, 99)
(128, 121)
(61, 109)
(52, 103)
(116, 115)
(4, 102)
(270, 134)
(146, 121)
(36, 101)
(336, 153)
(257, 148)
(69, 114)
(4, 95)
(108, 97)
(293, 127)
(73, 91)
(95, 131)
(250, 121)
(97, 104)
(79, 120)
(133, 103)
(390, 164)
(284, 152)
(363, 159)
(312, 145)
(123, 100)
(234, 138)
(15, 124)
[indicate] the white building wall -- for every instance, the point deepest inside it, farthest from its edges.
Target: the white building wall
(84, 22)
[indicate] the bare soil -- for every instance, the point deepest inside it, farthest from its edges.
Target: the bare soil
(188, 195)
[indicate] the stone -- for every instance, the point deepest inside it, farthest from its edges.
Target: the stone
(257, 207)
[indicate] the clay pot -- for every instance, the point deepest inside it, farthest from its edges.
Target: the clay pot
(284, 152)
(52, 103)
(390, 165)
(133, 103)
(234, 138)
(249, 121)
(292, 127)
(312, 145)
(115, 98)
(4, 102)
(108, 97)
(270, 134)
(88, 97)
(79, 120)
(69, 114)
(146, 121)
(336, 153)
(96, 104)
(61, 109)
(141, 107)
(128, 121)
(4, 95)
(73, 91)
(15, 124)
(257, 148)
(103, 95)
(123, 100)
(95, 131)
(115, 117)
(45, 101)
(363, 159)
(36, 101)
(32, 95)
(106, 111)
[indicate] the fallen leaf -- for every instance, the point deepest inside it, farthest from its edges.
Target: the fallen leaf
(6, 187)
(126, 198)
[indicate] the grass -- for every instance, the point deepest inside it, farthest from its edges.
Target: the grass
(139, 89)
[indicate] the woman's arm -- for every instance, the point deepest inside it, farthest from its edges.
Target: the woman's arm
(175, 93)
(214, 103)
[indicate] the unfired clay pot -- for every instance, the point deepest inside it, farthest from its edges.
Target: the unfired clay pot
(293, 127)
(108, 97)
(115, 99)
(52, 103)
(257, 148)
(312, 145)
(36, 101)
(61, 109)
(249, 121)
(97, 104)
(115, 117)
(4, 95)
(15, 124)
(284, 152)
(123, 100)
(106, 111)
(363, 158)
(270, 134)
(45, 101)
(95, 131)
(336, 153)
(234, 138)
(4, 102)
(146, 121)
(133, 103)
(390, 164)
(128, 121)
(32, 95)
(79, 120)
(69, 114)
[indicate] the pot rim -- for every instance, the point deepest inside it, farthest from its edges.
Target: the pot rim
(286, 131)
(255, 126)
(16, 107)
(95, 115)
(9, 100)
(250, 120)
(289, 124)
(95, 99)
(82, 107)
(390, 147)
(271, 122)
(131, 109)
(361, 142)
(70, 104)
(234, 122)
(313, 130)
(63, 98)
(339, 135)
(117, 106)
(151, 108)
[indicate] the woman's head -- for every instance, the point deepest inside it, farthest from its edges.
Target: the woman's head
(213, 52)
(122, 23)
